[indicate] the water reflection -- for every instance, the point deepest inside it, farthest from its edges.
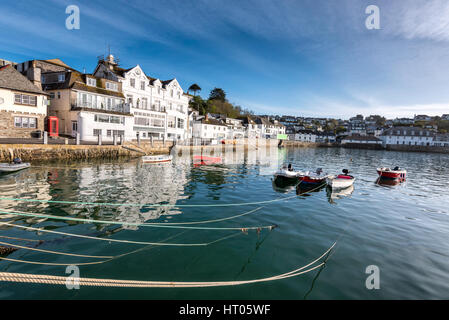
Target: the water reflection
(335, 194)
(389, 182)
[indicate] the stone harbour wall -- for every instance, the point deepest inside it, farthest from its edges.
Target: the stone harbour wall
(33, 152)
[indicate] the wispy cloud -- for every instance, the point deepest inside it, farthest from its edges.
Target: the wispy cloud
(422, 19)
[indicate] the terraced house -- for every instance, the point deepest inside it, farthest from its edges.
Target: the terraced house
(23, 105)
(160, 108)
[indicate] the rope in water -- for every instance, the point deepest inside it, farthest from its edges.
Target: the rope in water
(20, 239)
(39, 215)
(110, 204)
(57, 280)
(88, 263)
(108, 240)
(53, 252)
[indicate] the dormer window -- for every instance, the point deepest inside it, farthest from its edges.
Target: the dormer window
(61, 77)
(112, 86)
(91, 82)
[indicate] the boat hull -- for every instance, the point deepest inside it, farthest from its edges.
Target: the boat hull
(391, 174)
(156, 159)
(8, 167)
(339, 183)
(306, 180)
(282, 180)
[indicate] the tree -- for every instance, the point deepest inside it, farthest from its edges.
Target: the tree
(195, 88)
(217, 94)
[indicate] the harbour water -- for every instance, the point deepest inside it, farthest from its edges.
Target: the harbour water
(402, 229)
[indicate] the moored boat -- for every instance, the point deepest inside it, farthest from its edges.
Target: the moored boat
(13, 167)
(286, 176)
(387, 173)
(157, 159)
(313, 178)
(341, 181)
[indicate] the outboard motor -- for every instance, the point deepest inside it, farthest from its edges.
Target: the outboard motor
(290, 168)
(345, 171)
(396, 168)
(17, 160)
(319, 171)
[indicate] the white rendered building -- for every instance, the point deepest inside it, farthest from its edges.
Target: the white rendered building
(160, 108)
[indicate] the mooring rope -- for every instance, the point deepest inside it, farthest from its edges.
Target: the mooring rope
(142, 205)
(152, 225)
(21, 239)
(110, 258)
(53, 252)
(57, 280)
(109, 240)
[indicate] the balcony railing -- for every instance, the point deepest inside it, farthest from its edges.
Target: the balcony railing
(124, 107)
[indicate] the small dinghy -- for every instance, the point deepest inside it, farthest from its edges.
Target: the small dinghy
(313, 178)
(157, 159)
(396, 173)
(286, 176)
(16, 165)
(341, 181)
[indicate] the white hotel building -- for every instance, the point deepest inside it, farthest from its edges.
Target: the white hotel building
(160, 108)
(411, 136)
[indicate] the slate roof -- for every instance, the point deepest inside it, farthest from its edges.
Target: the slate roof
(12, 79)
(362, 138)
(77, 81)
(408, 131)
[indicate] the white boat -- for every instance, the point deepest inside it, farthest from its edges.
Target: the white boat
(341, 181)
(13, 167)
(157, 159)
(286, 175)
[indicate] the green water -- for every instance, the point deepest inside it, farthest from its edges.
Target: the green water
(402, 229)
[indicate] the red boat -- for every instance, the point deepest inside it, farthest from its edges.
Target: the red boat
(396, 173)
(313, 178)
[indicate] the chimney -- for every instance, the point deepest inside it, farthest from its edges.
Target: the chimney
(34, 75)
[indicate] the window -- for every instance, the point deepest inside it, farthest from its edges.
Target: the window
(61, 77)
(142, 85)
(59, 95)
(25, 99)
(25, 122)
(97, 132)
(180, 123)
(112, 86)
(91, 82)
(52, 95)
(144, 103)
(75, 126)
(132, 82)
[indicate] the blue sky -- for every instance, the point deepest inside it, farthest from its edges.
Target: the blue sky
(303, 57)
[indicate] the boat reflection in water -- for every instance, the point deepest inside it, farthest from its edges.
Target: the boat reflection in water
(334, 194)
(282, 187)
(304, 189)
(389, 182)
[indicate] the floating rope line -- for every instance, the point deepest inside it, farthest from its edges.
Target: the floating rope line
(54, 252)
(110, 204)
(20, 239)
(88, 263)
(39, 215)
(110, 240)
(207, 221)
(57, 280)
